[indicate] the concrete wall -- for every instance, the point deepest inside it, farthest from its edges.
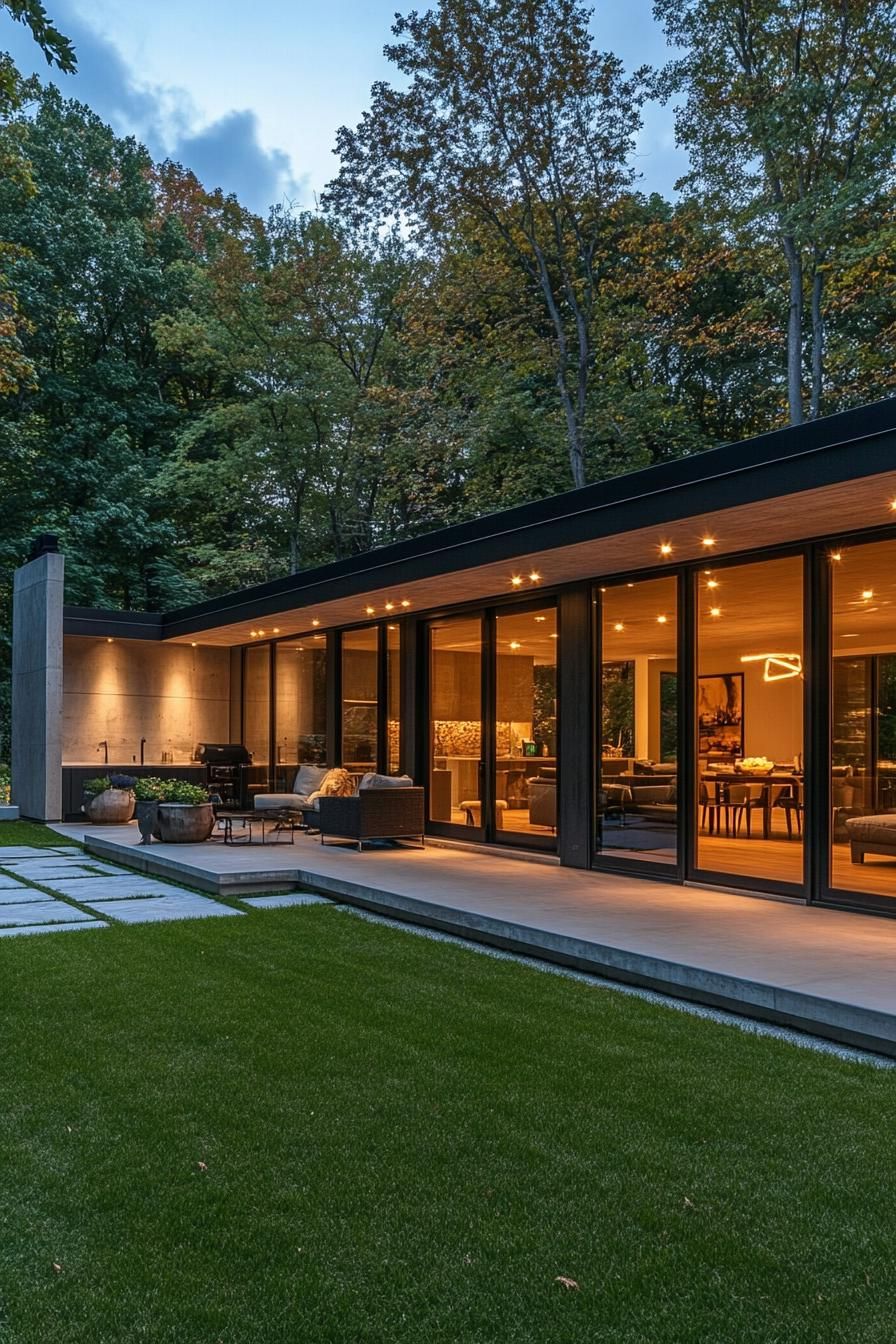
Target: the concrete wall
(37, 688)
(171, 694)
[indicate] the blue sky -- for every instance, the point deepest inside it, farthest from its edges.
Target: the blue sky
(250, 96)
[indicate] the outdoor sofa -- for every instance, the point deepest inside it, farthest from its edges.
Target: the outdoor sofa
(385, 807)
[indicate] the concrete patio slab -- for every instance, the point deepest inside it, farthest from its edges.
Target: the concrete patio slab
(8, 883)
(826, 971)
(36, 871)
(41, 912)
(53, 928)
(30, 851)
(21, 893)
(156, 909)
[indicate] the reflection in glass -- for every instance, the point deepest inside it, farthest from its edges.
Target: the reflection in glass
(300, 728)
(749, 695)
(257, 702)
(637, 793)
(863, 721)
(455, 721)
(393, 700)
(360, 699)
(526, 722)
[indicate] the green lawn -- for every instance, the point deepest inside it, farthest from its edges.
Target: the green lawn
(301, 1127)
(31, 833)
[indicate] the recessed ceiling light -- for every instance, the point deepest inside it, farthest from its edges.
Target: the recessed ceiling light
(629, 585)
(541, 618)
(390, 606)
(619, 626)
(893, 505)
(554, 636)
(514, 644)
(370, 610)
(516, 580)
(715, 611)
(535, 577)
(405, 602)
(849, 636)
(109, 639)
(261, 632)
(867, 594)
(315, 622)
(253, 633)
(192, 643)
(665, 548)
(835, 555)
(661, 620)
(712, 583)
(276, 629)
(708, 541)
(393, 627)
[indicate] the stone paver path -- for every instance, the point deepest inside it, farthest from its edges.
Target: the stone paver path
(61, 888)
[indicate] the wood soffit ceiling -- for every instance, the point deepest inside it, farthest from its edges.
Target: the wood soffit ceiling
(842, 508)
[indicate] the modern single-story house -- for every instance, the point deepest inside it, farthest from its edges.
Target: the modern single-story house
(686, 672)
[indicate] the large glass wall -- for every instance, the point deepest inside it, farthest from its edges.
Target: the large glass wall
(455, 721)
(526, 722)
(638, 784)
(393, 700)
(257, 715)
(360, 699)
(750, 793)
(863, 719)
(300, 702)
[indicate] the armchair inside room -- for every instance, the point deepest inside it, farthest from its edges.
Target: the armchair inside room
(543, 799)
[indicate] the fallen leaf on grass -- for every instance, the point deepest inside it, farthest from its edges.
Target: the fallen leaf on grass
(57, 1268)
(567, 1283)
(687, 1203)
(202, 1166)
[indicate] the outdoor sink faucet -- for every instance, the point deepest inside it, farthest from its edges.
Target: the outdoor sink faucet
(105, 747)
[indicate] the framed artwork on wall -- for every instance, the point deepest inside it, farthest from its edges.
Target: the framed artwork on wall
(720, 715)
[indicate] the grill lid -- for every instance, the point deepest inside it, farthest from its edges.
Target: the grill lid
(222, 753)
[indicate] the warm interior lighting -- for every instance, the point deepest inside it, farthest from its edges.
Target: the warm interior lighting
(893, 505)
(108, 639)
(390, 606)
(619, 627)
(715, 611)
(315, 622)
(253, 634)
(712, 583)
(370, 610)
(192, 643)
(261, 632)
(836, 555)
(661, 620)
(541, 618)
(665, 548)
(708, 541)
(276, 629)
(516, 580)
(553, 636)
(393, 627)
(867, 594)
(515, 644)
(778, 666)
(405, 602)
(535, 577)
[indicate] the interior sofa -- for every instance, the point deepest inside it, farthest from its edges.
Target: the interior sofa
(543, 799)
(385, 807)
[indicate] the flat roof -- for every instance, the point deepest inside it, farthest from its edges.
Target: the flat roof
(826, 452)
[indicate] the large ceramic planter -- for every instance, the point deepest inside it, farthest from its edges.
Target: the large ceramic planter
(186, 823)
(110, 807)
(148, 820)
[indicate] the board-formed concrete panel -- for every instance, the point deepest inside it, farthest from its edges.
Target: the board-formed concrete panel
(37, 687)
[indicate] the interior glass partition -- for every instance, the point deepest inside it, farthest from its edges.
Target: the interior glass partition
(750, 793)
(360, 699)
(863, 718)
(455, 721)
(526, 724)
(638, 772)
(300, 708)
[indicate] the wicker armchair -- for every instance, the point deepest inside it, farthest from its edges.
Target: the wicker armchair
(373, 814)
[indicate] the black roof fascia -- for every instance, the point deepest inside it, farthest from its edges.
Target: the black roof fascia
(93, 621)
(838, 448)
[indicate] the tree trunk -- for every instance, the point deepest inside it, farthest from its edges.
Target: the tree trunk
(817, 341)
(794, 332)
(573, 432)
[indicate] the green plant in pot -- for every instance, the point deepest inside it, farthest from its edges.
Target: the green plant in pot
(185, 814)
(149, 792)
(109, 799)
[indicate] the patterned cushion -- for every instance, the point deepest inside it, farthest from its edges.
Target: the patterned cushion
(337, 784)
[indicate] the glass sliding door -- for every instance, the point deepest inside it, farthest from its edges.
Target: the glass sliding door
(257, 715)
(638, 773)
(750, 795)
(525, 726)
(393, 700)
(455, 722)
(863, 719)
(360, 699)
(300, 708)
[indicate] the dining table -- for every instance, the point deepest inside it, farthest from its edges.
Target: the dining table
(791, 779)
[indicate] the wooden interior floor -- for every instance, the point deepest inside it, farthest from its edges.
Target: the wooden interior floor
(777, 859)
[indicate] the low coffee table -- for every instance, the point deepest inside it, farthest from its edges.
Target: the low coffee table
(276, 826)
